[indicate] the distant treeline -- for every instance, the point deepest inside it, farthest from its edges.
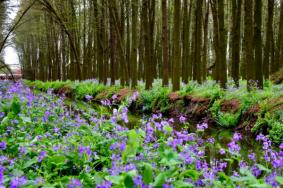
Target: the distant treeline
(133, 40)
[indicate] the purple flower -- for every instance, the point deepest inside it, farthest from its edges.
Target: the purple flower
(265, 145)
(261, 137)
(138, 182)
(237, 137)
(122, 146)
(125, 115)
(115, 112)
(252, 157)
(134, 97)
(234, 147)
(17, 182)
(75, 183)
(88, 97)
(182, 119)
(114, 97)
(106, 102)
(39, 181)
(23, 150)
(106, 184)
(281, 146)
(222, 151)
(270, 179)
(41, 156)
(56, 130)
(256, 171)
(3, 145)
(201, 127)
(2, 169)
(88, 150)
(211, 140)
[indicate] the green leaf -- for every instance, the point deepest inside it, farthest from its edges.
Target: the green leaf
(159, 180)
(168, 129)
(134, 140)
(16, 106)
(29, 163)
(57, 160)
(279, 179)
(182, 184)
(147, 174)
(5, 121)
(258, 185)
(115, 179)
(193, 174)
(129, 183)
(263, 168)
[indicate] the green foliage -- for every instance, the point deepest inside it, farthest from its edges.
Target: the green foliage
(225, 119)
(276, 132)
(155, 98)
(87, 88)
(209, 89)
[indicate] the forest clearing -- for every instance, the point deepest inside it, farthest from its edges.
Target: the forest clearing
(141, 93)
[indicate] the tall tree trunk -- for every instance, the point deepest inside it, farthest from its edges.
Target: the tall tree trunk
(198, 41)
(205, 42)
(176, 46)
(280, 39)
(165, 47)
(258, 43)
(268, 39)
(222, 45)
(249, 59)
(135, 5)
(236, 40)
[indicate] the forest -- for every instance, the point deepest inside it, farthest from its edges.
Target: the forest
(141, 93)
(144, 40)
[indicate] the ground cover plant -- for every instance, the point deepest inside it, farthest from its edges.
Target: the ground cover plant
(46, 141)
(254, 112)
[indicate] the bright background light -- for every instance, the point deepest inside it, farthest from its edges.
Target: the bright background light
(10, 53)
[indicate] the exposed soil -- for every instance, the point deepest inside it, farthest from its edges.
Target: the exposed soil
(67, 91)
(174, 96)
(197, 107)
(249, 119)
(123, 93)
(230, 106)
(101, 95)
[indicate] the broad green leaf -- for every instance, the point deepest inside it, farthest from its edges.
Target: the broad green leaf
(129, 183)
(57, 160)
(29, 163)
(168, 129)
(115, 179)
(258, 185)
(159, 180)
(16, 106)
(263, 168)
(279, 179)
(181, 184)
(193, 174)
(147, 174)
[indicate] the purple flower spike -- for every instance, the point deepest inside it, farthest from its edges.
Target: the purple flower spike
(75, 183)
(3, 145)
(18, 182)
(41, 156)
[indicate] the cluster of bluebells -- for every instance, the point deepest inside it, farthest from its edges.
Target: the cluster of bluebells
(94, 146)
